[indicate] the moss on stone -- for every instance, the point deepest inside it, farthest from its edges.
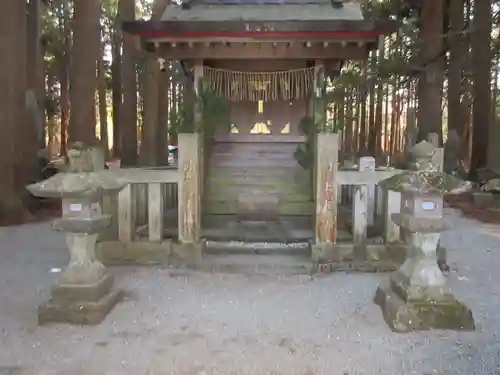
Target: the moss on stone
(423, 314)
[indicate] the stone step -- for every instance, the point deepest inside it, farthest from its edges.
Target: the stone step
(225, 207)
(257, 248)
(256, 264)
(258, 232)
(257, 172)
(235, 194)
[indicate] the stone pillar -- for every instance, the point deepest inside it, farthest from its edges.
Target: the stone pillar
(367, 163)
(189, 188)
(438, 155)
(451, 160)
(83, 293)
(411, 130)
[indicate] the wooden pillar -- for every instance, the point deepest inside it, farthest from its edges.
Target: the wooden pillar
(326, 163)
(156, 204)
(326, 187)
(191, 170)
(189, 197)
(127, 223)
(359, 215)
(198, 122)
(392, 201)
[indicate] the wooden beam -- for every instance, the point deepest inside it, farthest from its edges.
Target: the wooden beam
(184, 28)
(262, 51)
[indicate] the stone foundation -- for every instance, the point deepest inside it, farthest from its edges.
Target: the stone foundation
(134, 253)
(80, 304)
(367, 258)
(142, 253)
(422, 314)
(78, 312)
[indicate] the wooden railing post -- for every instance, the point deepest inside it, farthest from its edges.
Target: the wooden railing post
(127, 214)
(155, 212)
(392, 204)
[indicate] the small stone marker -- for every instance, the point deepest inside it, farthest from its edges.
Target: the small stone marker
(416, 296)
(83, 294)
(367, 164)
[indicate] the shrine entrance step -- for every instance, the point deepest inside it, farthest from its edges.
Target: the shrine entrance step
(260, 248)
(281, 230)
(263, 264)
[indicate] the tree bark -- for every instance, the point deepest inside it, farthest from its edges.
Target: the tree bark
(64, 60)
(15, 158)
(481, 64)
(457, 52)
(362, 117)
(85, 54)
(151, 127)
(128, 114)
(117, 87)
(103, 104)
(372, 135)
(379, 103)
(36, 73)
(431, 78)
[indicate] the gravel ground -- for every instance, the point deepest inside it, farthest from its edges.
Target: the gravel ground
(234, 324)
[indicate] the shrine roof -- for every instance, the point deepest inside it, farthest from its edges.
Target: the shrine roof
(263, 18)
(263, 10)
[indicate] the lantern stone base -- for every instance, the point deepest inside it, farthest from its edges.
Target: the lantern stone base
(423, 314)
(80, 304)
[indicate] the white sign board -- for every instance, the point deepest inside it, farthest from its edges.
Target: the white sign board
(428, 206)
(366, 163)
(75, 207)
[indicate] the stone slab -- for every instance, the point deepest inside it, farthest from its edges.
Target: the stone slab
(80, 313)
(349, 258)
(186, 254)
(423, 315)
(118, 253)
(84, 293)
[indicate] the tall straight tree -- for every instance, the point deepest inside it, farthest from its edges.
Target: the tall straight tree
(16, 155)
(116, 82)
(151, 128)
(458, 52)
(83, 72)
(481, 65)
(128, 115)
(36, 76)
(431, 78)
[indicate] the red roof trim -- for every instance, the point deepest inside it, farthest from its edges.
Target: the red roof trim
(151, 34)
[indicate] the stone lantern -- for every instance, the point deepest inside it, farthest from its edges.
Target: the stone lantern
(417, 296)
(83, 293)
